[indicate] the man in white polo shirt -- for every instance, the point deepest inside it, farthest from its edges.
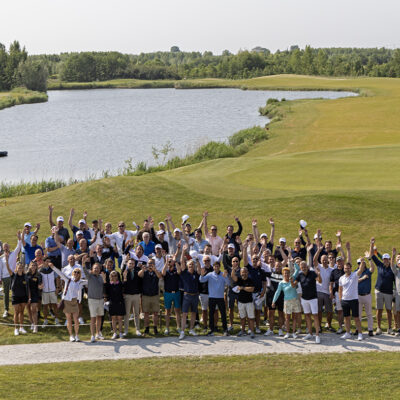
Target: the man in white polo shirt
(348, 295)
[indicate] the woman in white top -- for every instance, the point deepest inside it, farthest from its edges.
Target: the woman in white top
(72, 296)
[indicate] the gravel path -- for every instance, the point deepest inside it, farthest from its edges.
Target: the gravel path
(190, 346)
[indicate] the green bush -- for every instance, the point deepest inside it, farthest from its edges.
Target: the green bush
(249, 136)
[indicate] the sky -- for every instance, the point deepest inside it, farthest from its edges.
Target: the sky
(55, 26)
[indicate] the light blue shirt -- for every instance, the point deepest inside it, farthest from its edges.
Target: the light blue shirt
(199, 246)
(289, 292)
(216, 284)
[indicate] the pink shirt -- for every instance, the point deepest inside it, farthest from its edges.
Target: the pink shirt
(216, 243)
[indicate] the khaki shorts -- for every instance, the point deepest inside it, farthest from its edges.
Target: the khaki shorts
(291, 306)
(71, 307)
(246, 310)
(96, 308)
(151, 304)
(49, 298)
(383, 299)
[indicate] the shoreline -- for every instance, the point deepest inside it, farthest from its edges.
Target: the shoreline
(21, 96)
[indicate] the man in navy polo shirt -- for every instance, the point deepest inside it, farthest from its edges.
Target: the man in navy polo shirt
(53, 251)
(190, 282)
(82, 226)
(364, 294)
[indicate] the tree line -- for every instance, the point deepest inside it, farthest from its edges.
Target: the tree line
(17, 69)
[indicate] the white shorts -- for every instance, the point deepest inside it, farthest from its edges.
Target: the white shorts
(338, 303)
(203, 301)
(96, 307)
(246, 310)
(49, 298)
(310, 306)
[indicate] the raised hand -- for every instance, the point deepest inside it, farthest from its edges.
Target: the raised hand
(254, 222)
(51, 208)
(236, 218)
(310, 247)
(348, 246)
(394, 252)
(338, 234)
(85, 214)
(271, 221)
(72, 212)
(373, 240)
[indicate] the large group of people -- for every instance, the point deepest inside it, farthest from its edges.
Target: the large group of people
(197, 276)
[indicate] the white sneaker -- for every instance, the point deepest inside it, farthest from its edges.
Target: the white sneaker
(192, 332)
(248, 331)
(181, 335)
(72, 339)
(32, 327)
(346, 336)
(378, 331)
(121, 335)
(287, 336)
(257, 330)
(45, 322)
(22, 330)
(125, 334)
(360, 336)
(138, 333)
(298, 331)
(56, 321)
(16, 332)
(280, 333)
(269, 333)
(390, 331)
(308, 336)
(35, 329)
(5, 314)
(114, 336)
(77, 338)
(339, 331)
(166, 332)
(131, 317)
(294, 335)
(100, 336)
(81, 321)
(92, 339)
(317, 339)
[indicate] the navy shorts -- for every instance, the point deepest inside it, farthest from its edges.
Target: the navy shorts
(350, 305)
(278, 303)
(232, 298)
(190, 302)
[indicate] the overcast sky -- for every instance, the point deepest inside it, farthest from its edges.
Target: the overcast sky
(54, 26)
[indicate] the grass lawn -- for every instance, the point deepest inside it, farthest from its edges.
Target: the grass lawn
(20, 96)
(333, 163)
(336, 376)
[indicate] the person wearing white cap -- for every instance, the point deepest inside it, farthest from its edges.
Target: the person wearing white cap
(160, 239)
(63, 232)
(383, 288)
(282, 245)
(159, 259)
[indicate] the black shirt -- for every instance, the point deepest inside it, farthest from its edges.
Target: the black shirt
(335, 276)
(19, 285)
(258, 276)
(171, 281)
(308, 285)
(232, 239)
(34, 281)
(133, 284)
(244, 296)
(150, 283)
(278, 256)
(302, 253)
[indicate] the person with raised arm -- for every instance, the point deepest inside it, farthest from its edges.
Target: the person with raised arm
(72, 296)
(262, 239)
(309, 300)
(95, 286)
(20, 293)
(171, 293)
(231, 235)
(216, 288)
(383, 288)
(215, 241)
(116, 305)
(82, 225)
(150, 294)
(348, 295)
(324, 296)
(396, 272)
(4, 274)
(122, 235)
(291, 305)
(65, 250)
(189, 270)
(35, 287)
(27, 234)
(30, 248)
(62, 231)
(364, 293)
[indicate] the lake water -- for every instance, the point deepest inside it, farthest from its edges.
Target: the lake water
(80, 133)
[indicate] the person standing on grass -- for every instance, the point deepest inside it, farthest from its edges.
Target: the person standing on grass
(132, 285)
(62, 231)
(259, 278)
(291, 305)
(215, 241)
(171, 293)
(206, 268)
(309, 300)
(216, 288)
(348, 295)
(150, 294)
(190, 282)
(395, 265)
(324, 296)
(245, 288)
(383, 288)
(116, 308)
(95, 298)
(4, 274)
(72, 296)
(20, 294)
(49, 297)
(26, 239)
(30, 248)
(35, 287)
(231, 235)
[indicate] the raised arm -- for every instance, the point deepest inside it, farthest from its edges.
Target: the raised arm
(205, 215)
(36, 229)
(316, 255)
(7, 264)
(71, 215)
(348, 248)
(240, 227)
(310, 262)
(51, 222)
(361, 268)
(393, 263)
(272, 236)
(59, 272)
(256, 233)
(245, 253)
